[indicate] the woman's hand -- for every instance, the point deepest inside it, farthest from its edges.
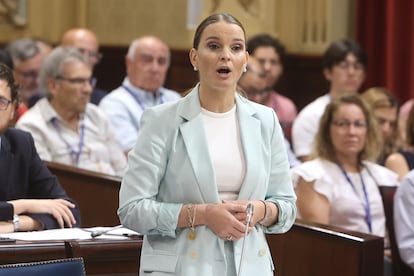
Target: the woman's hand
(60, 209)
(258, 211)
(226, 219)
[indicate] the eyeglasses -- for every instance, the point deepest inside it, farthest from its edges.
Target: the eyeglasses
(4, 103)
(80, 82)
(94, 56)
(345, 124)
(344, 65)
(27, 74)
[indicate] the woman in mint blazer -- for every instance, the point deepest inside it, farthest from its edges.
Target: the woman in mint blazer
(199, 161)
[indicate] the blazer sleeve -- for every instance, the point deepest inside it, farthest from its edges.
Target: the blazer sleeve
(280, 188)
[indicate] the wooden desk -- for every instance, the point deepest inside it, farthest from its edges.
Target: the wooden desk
(108, 257)
(22, 251)
(307, 249)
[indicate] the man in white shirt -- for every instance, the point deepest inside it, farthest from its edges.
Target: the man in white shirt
(404, 220)
(344, 64)
(147, 63)
(65, 126)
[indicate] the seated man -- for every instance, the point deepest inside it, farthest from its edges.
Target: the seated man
(403, 219)
(66, 128)
(253, 83)
(147, 62)
(30, 196)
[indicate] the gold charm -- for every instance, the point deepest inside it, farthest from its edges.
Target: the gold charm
(191, 235)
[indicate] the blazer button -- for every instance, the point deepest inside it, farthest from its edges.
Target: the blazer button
(262, 252)
(193, 254)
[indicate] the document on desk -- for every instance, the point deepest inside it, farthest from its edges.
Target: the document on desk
(117, 232)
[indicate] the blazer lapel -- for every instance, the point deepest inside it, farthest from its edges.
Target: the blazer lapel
(195, 140)
(251, 139)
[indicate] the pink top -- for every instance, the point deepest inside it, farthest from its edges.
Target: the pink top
(285, 109)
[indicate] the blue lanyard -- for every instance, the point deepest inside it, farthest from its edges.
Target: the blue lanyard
(135, 96)
(75, 155)
(366, 199)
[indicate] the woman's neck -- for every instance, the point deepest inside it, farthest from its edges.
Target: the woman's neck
(216, 101)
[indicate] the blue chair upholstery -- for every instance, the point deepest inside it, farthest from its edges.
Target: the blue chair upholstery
(60, 267)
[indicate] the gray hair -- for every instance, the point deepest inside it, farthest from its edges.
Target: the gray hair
(22, 49)
(53, 64)
(136, 42)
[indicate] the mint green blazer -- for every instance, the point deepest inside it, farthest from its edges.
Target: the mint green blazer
(170, 166)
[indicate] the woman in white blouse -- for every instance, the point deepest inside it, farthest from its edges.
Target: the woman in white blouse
(340, 185)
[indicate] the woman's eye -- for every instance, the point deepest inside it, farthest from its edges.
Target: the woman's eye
(213, 46)
(237, 48)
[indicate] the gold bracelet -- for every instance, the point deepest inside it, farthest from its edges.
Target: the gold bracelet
(191, 221)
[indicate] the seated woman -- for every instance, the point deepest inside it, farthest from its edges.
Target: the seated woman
(384, 106)
(30, 196)
(402, 161)
(340, 185)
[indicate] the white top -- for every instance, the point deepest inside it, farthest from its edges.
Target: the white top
(404, 219)
(100, 152)
(306, 125)
(223, 136)
(346, 207)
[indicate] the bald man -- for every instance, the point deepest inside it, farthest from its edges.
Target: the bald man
(88, 44)
(147, 62)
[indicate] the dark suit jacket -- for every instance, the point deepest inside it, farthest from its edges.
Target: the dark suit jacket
(24, 176)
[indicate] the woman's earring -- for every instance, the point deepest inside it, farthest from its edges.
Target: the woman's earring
(245, 69)
(195, 68)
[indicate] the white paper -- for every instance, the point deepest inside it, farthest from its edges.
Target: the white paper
(117, 232)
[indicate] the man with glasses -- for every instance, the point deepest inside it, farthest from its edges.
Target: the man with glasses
(65, 126)
(344, 65)
(253, 82)
(30, 196)
(87, 43)
(147, 62)
(27, 59)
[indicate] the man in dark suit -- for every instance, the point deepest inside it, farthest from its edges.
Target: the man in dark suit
(30, 196)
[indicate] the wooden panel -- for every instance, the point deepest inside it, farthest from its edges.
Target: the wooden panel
(108, 257)
(22, 251)
(314, 249)
(96, 194)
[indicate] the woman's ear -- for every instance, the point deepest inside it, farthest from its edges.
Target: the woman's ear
(193, 57)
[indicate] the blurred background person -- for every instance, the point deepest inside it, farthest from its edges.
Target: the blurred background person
(147, 62)
(270, 53)
(404, 219)
(344, 65)
(402, 161)
(253, 83)
(65, 126)
(27, 59)
(339, 186)
(87, 43)
(31, 197)
(384, 106)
